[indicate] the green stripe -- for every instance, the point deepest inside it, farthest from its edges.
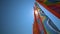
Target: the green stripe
(49, 3)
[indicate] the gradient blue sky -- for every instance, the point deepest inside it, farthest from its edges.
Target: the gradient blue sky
(16, 16)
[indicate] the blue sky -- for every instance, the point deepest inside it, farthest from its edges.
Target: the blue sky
(16, 16)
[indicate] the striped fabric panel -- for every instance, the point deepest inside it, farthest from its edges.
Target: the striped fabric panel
(52, 5)
(47, 23)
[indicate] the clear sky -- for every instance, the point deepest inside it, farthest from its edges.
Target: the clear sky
(16, 16)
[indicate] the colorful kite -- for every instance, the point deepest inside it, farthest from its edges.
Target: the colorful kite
(46, 17)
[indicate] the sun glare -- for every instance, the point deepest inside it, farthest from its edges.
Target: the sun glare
(36, 12)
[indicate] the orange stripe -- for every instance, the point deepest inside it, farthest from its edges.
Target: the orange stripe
(35, 25)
